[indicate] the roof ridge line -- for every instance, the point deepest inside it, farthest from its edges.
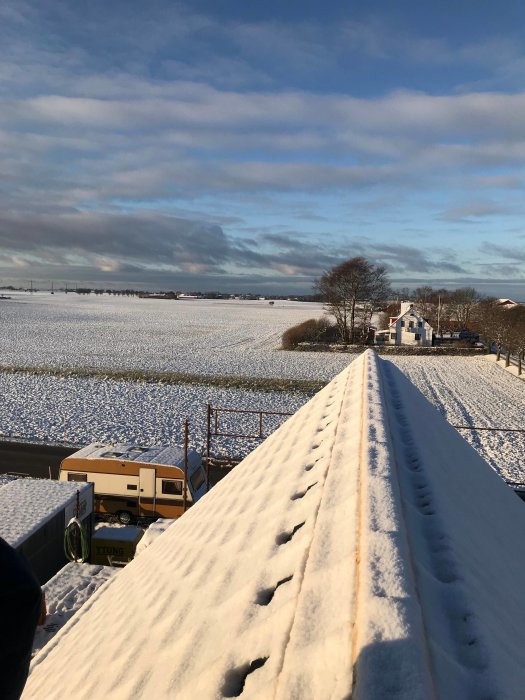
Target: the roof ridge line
(387, 537)
(308, 549)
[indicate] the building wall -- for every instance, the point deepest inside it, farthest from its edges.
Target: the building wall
(420, 333)
(400, 332)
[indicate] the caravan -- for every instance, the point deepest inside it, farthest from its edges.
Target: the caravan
(132, 481)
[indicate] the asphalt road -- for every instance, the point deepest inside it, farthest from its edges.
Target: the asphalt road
(33, 460)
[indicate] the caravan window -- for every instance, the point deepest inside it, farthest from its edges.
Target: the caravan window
(76, 477)
(197, 479)
(172, 487)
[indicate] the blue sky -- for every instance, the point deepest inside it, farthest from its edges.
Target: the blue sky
(251, 146)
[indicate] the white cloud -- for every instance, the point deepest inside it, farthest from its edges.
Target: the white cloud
(167, 109)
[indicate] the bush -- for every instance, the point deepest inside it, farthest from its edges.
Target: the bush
(311, 331)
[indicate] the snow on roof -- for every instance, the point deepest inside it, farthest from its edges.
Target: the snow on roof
(26, 504)
(66, 593)
(128, 533)
(363, 549)
(170, 456)
(154, 530)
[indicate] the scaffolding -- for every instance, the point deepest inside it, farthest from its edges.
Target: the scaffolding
(212, 430)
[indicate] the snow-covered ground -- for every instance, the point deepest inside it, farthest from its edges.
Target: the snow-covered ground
(477, 393)
(66, 593)
(235, 338)
(466, 391)
(82, 410)
(196, 337)
(208, 338)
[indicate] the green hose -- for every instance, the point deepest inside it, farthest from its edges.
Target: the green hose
(71, 542)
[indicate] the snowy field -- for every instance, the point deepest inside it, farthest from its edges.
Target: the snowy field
(77, 411)
(209, 338)
(466, 391)
(230, 337)
(475, 392)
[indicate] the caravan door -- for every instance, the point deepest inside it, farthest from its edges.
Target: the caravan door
(146, 491)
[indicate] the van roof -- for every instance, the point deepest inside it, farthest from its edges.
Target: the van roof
(170, 456)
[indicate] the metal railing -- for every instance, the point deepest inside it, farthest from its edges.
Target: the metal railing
(212, 429)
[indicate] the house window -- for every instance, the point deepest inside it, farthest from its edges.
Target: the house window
(76, 477)
(402, 324)
(417, 336)
(420, 324)
(411, 324)
(392, 336)
(172, 487)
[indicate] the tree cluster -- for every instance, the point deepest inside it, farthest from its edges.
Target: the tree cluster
(356, 288)
(504, 328)
(446, 310)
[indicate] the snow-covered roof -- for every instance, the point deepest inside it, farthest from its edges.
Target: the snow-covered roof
(170, 456)
(154, 530)
(363, 549)
(66, 593)
(26, 504)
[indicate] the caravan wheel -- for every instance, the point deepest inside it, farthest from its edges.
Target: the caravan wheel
(124, 517)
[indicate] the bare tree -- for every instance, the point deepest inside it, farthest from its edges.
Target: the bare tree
(342, 287)
(461, 305)
(431, 304)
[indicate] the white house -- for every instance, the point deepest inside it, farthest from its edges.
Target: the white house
(409, 328)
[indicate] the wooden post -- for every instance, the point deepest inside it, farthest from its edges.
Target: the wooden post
(185, 497)
(208, 438)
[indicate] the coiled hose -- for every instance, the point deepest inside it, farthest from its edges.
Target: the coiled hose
(75, 538)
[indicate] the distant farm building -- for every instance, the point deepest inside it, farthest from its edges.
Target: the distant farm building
(507, 303)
